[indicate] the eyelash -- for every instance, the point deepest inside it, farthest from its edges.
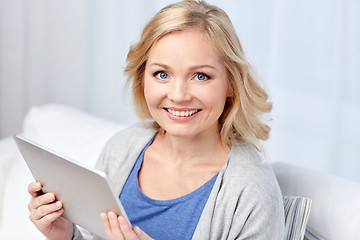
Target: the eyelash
(207, 77)
(156, 74)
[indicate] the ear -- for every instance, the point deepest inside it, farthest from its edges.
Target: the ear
(230, 91)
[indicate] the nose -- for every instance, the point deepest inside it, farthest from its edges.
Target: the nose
(179, 91)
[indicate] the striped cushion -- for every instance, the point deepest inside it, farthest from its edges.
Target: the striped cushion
(297, 210)
(312, 235)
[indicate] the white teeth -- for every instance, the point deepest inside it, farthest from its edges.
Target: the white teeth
(182, 113)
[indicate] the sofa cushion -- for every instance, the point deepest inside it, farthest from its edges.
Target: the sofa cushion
(8, 152)
(335, 201)
(64, 129)
(297, 211)
(69, 131)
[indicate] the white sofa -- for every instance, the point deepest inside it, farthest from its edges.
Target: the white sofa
(335, 210)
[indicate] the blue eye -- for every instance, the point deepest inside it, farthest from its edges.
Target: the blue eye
(161, 75)
(202, 76)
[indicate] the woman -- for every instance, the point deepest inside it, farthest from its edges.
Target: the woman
(195, 171)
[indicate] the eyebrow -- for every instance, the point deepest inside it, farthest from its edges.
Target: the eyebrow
(192, 68)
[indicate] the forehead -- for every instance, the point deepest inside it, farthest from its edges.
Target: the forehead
(190, 44)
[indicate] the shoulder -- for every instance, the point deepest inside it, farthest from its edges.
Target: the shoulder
(247, 168)
(124, 147)
(250, 186)
(134, 135)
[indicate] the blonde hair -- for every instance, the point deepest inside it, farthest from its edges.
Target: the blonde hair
(241, 118)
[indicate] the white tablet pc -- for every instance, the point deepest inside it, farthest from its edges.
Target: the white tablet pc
(84, 192)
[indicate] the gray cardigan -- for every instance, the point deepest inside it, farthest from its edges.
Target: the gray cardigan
(245, 202)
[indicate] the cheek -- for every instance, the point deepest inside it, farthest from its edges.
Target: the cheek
(215, 97)
(148, 92)
(152, 94)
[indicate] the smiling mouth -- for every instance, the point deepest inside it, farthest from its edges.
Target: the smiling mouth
(182, 113)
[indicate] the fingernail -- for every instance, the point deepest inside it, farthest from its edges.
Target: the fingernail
(112, 215)
(137, 231)
(50, 197)
(103, 217)
(58, 204)
(122, 220)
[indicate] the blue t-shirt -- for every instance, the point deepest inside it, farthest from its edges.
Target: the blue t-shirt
(163, 219)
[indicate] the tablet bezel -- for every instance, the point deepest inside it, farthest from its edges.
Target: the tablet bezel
(84, 191)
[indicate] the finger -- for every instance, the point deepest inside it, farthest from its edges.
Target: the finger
(34, 189)
(106, 222)
(111, 225)
(138, 232)
(41, 200)
(44, 210)
(114, 224)
(49, 218)
(126, 229)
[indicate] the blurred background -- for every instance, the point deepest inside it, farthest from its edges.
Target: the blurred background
(306, 52)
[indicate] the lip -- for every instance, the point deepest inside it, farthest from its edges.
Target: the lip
(182, 118)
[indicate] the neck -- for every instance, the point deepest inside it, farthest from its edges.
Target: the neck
(196, 149)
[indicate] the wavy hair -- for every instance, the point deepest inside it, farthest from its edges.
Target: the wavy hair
(243, 111)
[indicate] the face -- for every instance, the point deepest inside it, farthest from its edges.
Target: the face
(185, 85)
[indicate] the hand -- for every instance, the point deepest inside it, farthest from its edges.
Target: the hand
(45, 213)
(117, 228)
